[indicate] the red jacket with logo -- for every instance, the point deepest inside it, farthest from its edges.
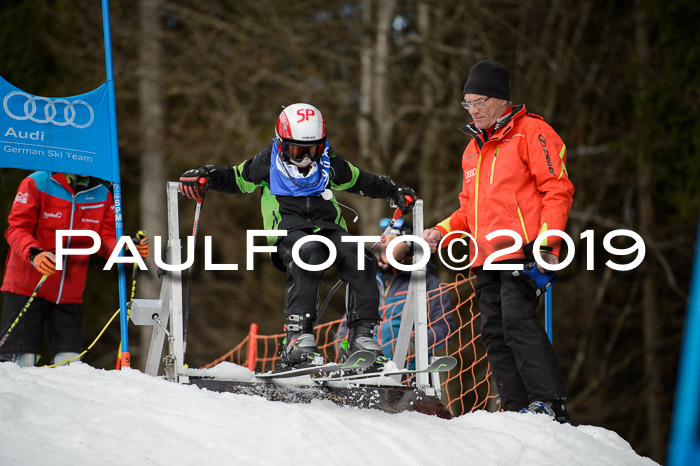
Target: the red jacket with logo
(45, 203)
(514, 180)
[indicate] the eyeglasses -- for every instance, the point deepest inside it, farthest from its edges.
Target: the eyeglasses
(480, 104)
(383, 223)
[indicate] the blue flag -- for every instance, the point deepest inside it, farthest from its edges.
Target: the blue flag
(67, 135)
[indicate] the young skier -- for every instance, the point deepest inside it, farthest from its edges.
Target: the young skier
(297, 174)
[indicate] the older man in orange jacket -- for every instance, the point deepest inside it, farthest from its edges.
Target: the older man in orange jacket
(514, 179)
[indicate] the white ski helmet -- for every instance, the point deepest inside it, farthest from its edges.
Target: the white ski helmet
(301, 132)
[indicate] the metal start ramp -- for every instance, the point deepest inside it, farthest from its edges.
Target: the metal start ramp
(167, 311)
(392, 400)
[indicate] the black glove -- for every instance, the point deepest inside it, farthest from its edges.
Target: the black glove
(191, 184)
(403, 197)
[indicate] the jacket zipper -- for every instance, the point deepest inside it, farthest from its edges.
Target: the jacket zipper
(493, 163)
(65, 259)
(476, 196)
(522, 224)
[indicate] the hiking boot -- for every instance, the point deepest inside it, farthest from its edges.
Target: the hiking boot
(299, 346)
(361, 337)
(555, 409)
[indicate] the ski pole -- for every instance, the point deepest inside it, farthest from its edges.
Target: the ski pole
(548, 311)
(195, 227)
(397, 214)
(24, 309)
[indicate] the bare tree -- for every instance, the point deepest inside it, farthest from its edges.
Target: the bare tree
(152, 163)
(649, 303)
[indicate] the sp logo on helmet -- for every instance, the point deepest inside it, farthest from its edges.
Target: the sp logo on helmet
(305, 114)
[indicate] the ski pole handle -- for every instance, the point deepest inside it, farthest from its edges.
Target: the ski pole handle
(202, 182)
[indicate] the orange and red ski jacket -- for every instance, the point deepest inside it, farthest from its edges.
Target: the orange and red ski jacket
(45, 202)
(514, 180)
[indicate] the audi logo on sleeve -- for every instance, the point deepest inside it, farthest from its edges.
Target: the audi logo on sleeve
(60, 112)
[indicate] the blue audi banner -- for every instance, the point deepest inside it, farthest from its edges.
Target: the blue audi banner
(66, 134)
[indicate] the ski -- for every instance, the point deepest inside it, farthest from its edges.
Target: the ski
(356, 361)
(441, 364)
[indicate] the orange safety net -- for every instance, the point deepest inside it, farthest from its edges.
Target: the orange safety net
(466, 388)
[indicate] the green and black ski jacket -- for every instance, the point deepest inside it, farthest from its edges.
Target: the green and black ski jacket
(290, 213)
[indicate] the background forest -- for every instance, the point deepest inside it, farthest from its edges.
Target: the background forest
(203, 82)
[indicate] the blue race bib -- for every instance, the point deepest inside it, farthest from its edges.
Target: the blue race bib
(287, 180)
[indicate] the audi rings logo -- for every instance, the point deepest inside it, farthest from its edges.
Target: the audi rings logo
(44, 110)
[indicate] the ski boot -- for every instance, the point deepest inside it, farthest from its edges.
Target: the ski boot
(556, 409)
(361, 337)
(299, 346)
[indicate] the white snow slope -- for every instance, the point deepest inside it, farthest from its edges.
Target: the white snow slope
(79, 415)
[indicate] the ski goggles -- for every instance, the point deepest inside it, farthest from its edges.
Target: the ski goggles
(298, 151)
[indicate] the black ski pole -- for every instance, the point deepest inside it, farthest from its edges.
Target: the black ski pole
(24, 309)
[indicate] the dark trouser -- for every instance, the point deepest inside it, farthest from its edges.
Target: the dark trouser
(362, 299)
(521, 355)
(63, 323)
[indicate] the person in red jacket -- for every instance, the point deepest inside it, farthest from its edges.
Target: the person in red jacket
(515, 179)
(46, 202)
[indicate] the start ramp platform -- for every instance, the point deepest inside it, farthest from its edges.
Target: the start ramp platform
(165, 314)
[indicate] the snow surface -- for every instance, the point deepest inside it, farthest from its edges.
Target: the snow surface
(78, 415)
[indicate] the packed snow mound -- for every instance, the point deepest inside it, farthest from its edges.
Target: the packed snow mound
(79, 415)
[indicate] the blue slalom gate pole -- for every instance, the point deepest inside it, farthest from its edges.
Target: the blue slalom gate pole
(548, 311)
(684, 446)
(125, 357)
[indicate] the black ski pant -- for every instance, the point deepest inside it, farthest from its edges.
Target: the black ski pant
(301, 294)
(63, 324)
(522, 358)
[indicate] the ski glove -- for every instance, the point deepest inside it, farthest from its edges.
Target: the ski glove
(141, 243)
(537, 280)
(43, 261)
(191, 184)
(403, 197)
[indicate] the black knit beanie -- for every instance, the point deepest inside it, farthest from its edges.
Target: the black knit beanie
(488, 78)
